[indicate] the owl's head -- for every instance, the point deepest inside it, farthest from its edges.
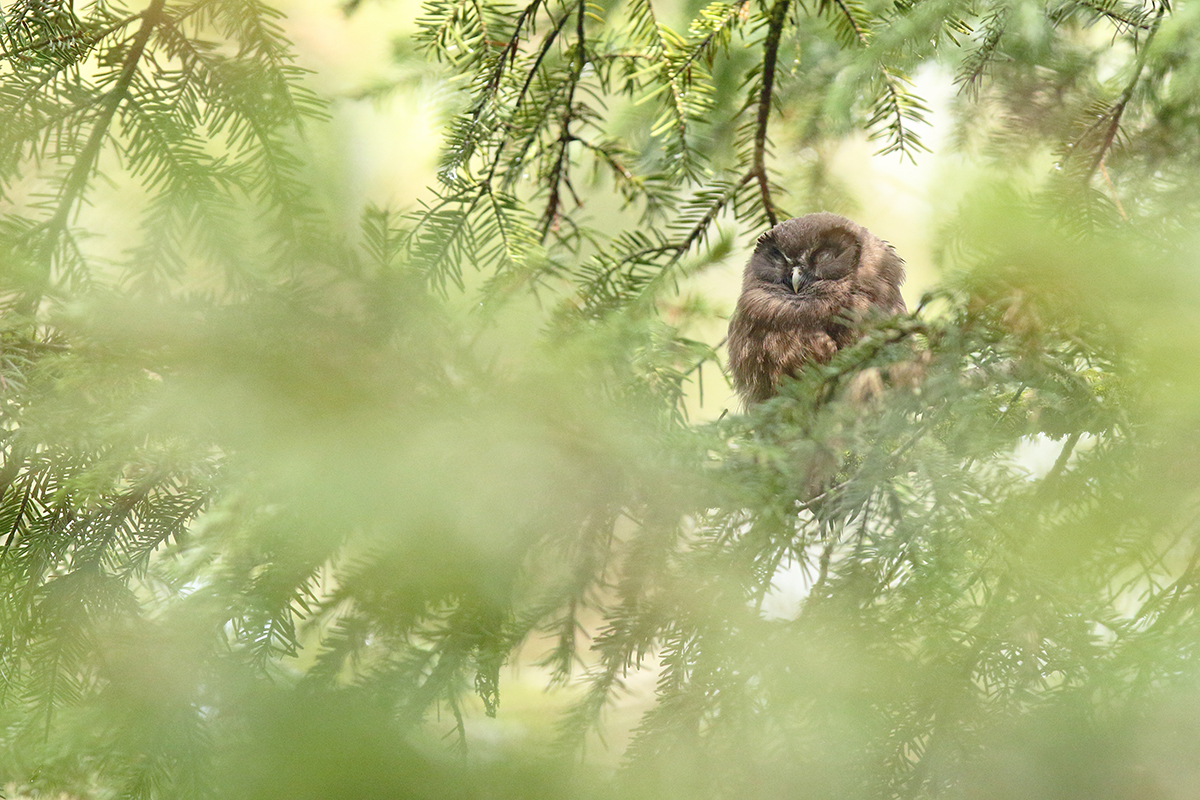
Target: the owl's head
(805, 255)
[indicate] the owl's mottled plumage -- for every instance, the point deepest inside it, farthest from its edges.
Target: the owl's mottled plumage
(807, 284)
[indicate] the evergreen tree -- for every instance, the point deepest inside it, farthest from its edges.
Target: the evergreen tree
(279, 502)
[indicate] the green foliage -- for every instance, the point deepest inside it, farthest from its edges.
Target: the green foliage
(280, 504)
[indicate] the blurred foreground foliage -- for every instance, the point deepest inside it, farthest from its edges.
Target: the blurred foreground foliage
(280, 502)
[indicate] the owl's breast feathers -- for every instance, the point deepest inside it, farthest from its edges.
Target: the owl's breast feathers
(772, 337)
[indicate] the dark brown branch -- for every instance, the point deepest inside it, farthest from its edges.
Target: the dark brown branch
(1060, 463)
(777, 18)
(509, 53)
(543, 51)
(565, 137)
(1114, 124)
(77, 179)
(91, 37)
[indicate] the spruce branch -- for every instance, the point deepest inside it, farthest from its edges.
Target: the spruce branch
(18, 518)
(89, 37)
(1123, 20)
(560, 172)
(895, 102)
(518, 102)
(81, 172)
(849, 11)
(970, 75)
(1118, 110)
(508, 55)
(659, 49)
(677, 248)
(776, 20)
(899, 105)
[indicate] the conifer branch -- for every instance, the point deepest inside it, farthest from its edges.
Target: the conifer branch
(680, 247)
(518, 102)
(339, 410)
(88, 36)
(81, 172)
(971, 73)
(1118, 110)
(704, 47)
(507, 54)
(856, 28)
(895, 103)
(660, 50)
(1108, 10)
(558, 172)
(18, 518)
(776, 20)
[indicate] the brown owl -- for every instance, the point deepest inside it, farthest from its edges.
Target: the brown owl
(807, 284)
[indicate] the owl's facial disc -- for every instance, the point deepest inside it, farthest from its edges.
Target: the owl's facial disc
(794, 267)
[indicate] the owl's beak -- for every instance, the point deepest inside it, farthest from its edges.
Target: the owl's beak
(797, 279)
